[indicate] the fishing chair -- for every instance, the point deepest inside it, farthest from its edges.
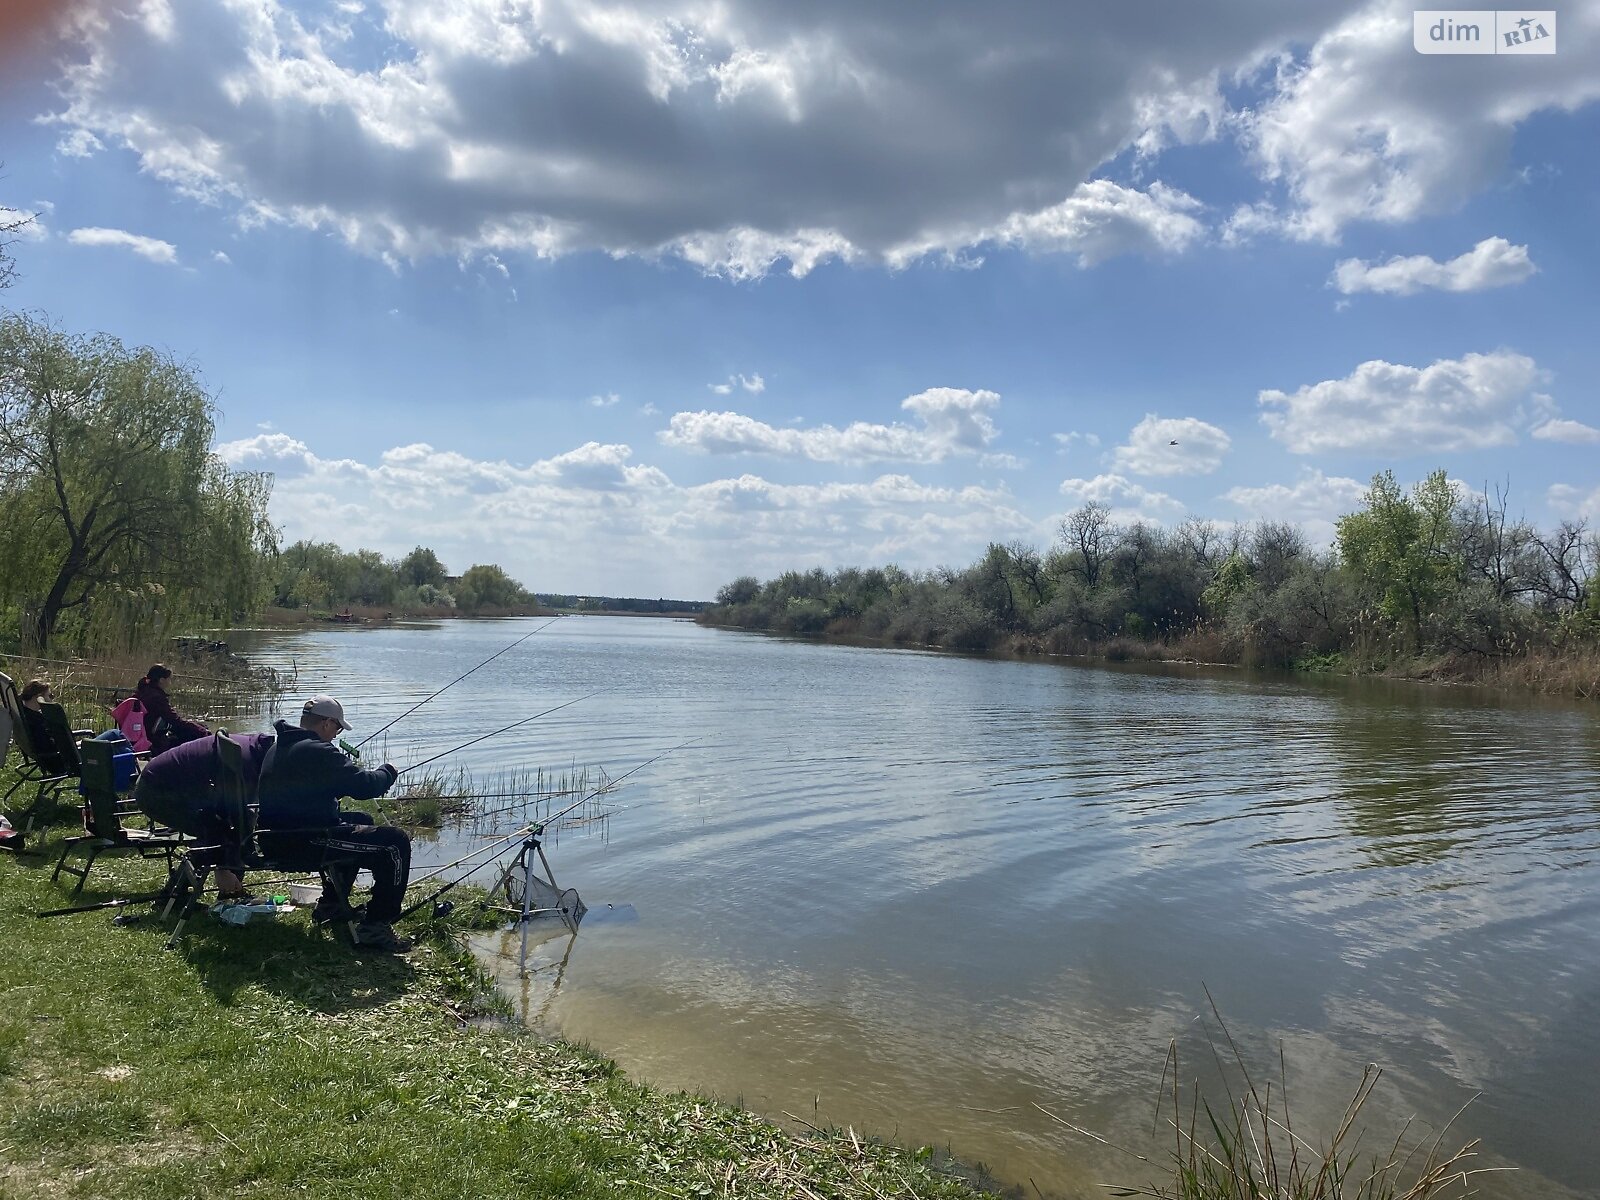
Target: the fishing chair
(103, 811)
(63, 746)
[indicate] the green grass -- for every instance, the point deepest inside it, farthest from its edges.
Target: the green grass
(1245, 1145)
(270, 1060)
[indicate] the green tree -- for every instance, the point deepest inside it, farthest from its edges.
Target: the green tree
(1399, 547)
(107, 480)
(421, 566)
(485, 585)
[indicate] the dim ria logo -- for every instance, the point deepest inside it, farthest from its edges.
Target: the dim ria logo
(1483, 31)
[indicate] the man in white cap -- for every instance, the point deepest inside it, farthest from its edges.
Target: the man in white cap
(302, 827)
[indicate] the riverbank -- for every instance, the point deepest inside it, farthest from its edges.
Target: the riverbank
(1574, 672)
(273, 617)
(270, 1059)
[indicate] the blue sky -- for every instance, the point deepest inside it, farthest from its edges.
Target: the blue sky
(637, 297)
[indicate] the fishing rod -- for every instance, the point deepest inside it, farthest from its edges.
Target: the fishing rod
(455, 681)
(536, 828)
(503, 729)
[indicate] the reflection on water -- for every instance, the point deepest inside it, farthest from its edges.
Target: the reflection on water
(922, 893)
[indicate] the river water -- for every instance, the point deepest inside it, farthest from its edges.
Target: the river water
(930, 896)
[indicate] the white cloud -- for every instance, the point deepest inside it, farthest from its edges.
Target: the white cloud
(1065, 440)
(266, 452)
(1314, 502)
(1575, 503)
(1172, 446)
(1313, 496)
(29, 228)
(952, 421)
(1475, 402)
(221, 257)
(1127, 500)
(608, 400)
(595, 519)
(1100, 220)
(1558, 430)
(1493, 262)
(153, 249)
(78, 143)
(753, 384)
(1367, 129)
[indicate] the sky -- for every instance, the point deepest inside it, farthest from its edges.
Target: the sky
(635, 298)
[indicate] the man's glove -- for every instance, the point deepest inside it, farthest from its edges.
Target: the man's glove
(393, 774)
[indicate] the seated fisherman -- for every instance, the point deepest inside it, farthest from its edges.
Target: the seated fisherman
(178, 789)
(302, 828)
(34, 695)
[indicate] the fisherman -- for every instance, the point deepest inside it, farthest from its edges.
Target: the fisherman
(164, 725)
(178, 789)
(302, 828)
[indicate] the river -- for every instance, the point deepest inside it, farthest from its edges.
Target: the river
(930, 895)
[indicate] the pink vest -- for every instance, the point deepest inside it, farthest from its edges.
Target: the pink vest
(129, 716)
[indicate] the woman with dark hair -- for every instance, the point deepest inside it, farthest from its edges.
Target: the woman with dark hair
(34, 695)
(164, 725)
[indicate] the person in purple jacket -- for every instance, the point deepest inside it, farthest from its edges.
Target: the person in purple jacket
(178, 789)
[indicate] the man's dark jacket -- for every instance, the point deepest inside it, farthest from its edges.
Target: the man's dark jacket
(304, 776)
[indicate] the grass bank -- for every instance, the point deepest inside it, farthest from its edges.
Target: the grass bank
(270, 1060)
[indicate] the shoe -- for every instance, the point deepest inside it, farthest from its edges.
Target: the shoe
(329, 909)
(374, 935)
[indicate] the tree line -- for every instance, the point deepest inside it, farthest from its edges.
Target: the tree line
(319, 575)
(1413, 574)
(120, 526)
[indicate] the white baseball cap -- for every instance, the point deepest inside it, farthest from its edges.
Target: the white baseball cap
(328, 708)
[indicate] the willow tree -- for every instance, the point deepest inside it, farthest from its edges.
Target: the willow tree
(110, 498)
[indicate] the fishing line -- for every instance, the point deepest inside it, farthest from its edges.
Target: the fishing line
(536, 828)
(502, 729)
(455, 681)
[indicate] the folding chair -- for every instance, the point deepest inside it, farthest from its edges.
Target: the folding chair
(103, 810)
(32, 771)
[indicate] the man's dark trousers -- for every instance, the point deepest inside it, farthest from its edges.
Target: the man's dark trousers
(343, 850)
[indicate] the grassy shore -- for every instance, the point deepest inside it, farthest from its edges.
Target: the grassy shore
(270, 1060)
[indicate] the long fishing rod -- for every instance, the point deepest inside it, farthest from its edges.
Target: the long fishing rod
(535, 828)
(455, 681)
(503, 729)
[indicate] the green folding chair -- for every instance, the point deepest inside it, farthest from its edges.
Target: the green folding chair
(103, 812)
(39, 762)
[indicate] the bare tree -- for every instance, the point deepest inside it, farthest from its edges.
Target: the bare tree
(11, 224)
(1569, 565)
(1275, 546)
(1202, 540)
(1089, 537)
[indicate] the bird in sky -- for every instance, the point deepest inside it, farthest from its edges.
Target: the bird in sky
(1173, 442)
